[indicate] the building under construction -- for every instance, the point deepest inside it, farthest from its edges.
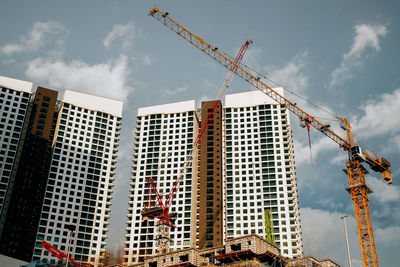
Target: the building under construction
(242, 181)
(250, 250)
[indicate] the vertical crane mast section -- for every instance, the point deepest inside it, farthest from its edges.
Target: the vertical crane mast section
(355, 170)
(359, 194)
(358, 191)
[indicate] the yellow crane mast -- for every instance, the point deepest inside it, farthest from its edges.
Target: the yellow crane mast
(355, 170)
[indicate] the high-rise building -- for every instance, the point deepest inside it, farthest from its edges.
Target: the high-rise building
(259, 169)
(76, 208)
(14, 104)
(57, 167)
(20, 220)
(246, 175)
(211, 186)
(164, 137)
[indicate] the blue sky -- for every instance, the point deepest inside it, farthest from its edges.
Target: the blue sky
(341, 55)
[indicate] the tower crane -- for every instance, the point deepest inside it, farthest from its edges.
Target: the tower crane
(156, 206)
(356, 157)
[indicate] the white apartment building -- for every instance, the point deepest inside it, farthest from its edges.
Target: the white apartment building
(81, 178)
(259, 169)
(14, 103)
(259, 178)
(164, 137)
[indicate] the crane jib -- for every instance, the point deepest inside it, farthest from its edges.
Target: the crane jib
(241, 71)
(355, 170)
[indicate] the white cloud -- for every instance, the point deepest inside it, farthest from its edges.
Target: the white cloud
(365, 36)
(388, 236)
(393, 144)
(329, 203)
(252, 56)
(291, 75)
(380, 115)
(302, 149)
(170, 92)
(378, 118)
(339, 159)
(323, 234)
(123, 32)
(8, 61)
(37, 37)
(356, 263)
(383, 192)
(107, 79)
(146, 60)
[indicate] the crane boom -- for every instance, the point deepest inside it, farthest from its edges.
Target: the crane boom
(57, 253)
(222, 91)
(355, 170)
(231, 72)
(245, 74)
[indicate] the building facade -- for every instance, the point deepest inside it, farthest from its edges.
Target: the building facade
(20, 220)
(164, 137)
(260, 175)
(246, 176)
(14, 105)
(57, 168)
(81, 177)
(210, 183)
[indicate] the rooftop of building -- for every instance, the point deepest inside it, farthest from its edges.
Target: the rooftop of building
(93, 102)
(250, 99)
(246, 99)
(18, 85)
(177, 107)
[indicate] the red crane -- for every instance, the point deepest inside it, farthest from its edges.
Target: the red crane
(57, 253)
(156, 207)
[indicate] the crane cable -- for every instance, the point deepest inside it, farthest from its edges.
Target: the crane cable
(290, 91)
(293, 93)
